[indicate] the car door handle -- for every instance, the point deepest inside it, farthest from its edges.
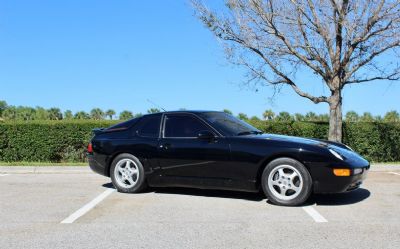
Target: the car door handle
(165, 146)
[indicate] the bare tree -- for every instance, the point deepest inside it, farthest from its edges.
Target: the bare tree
(337, 40)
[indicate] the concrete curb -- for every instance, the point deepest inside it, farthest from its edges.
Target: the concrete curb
(45, 170)
(87, 170)
(385, 167)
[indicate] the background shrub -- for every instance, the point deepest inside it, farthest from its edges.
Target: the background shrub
(66, 141)
(54, 141)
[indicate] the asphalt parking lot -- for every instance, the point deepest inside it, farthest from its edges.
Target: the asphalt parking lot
(81, 209)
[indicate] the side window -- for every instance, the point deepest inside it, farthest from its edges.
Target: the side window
(148, 126)
(183, 126)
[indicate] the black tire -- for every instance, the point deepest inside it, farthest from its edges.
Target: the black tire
(140, 184)
(274, 192)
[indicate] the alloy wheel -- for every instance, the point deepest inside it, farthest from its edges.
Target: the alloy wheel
(285, 182)
(126, 173)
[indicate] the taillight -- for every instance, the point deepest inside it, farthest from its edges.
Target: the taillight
(90, 148)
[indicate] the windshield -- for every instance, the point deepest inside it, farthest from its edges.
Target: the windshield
(229, 125)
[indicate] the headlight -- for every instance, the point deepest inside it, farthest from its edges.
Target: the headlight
(337, 155)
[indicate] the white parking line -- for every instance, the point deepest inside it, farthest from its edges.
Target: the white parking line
(314, 214)
(394, 173)
(3, 174)
(83, 210)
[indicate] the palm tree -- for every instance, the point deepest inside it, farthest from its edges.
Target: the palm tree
(284, 116)
(367, 117)
(243, 116)
(125, 115)
(25, 113)
(41, 113)
(311, 116)
(68, 114)
(299, 117)
(81, 115)
(255, 118)
(153, 110)
(392, 116)
(110, 113)
(352, 116)
(55, 114)
(96, 114)
(269, 114)
(10, 113)
(323, 117)
(227, 111)
(3, 107)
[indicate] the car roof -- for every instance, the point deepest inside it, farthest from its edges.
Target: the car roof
(182, 111)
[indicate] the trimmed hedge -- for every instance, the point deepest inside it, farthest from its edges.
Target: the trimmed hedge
(66, 141)
(54, 141)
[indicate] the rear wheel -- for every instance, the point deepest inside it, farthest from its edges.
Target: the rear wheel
(127, 174)
(287, 182)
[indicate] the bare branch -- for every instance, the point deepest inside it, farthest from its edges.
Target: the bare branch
(392, 77)
(335, 40)
(369, 58)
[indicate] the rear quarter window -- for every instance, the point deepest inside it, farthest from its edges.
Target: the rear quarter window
(124, 125)
(148, 126)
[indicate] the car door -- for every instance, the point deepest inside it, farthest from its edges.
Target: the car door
(190, 160)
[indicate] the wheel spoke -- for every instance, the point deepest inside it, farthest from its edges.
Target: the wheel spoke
(281, 172)
(292, 175)
(130, 180)
(134, 171)
(275, 182)
(120, 170)
(283, 191)
(122, 179)
(294, 188)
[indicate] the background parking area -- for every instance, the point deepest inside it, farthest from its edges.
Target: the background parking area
(33, 208)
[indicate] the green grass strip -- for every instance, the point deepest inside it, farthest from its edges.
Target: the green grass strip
(43, 164)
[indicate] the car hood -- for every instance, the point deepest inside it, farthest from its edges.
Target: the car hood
(349, 155)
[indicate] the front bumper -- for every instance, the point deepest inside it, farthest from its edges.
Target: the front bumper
(339, 184)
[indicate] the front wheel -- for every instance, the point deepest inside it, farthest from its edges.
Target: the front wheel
(127, 174)
(286, 182)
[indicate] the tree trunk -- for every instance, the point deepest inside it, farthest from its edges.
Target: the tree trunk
(335, 118)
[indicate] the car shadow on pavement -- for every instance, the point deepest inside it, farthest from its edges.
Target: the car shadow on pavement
(339, 199)
(347, 198)
(250, 196)
(108, 185)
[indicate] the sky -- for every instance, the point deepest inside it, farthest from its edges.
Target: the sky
(81, 54)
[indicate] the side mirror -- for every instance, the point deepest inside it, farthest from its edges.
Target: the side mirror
(205, 135)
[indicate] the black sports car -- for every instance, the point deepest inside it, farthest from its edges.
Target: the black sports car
(208, 149)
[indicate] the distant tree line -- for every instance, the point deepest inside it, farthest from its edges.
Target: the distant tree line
(351, 116)
(10, 112)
